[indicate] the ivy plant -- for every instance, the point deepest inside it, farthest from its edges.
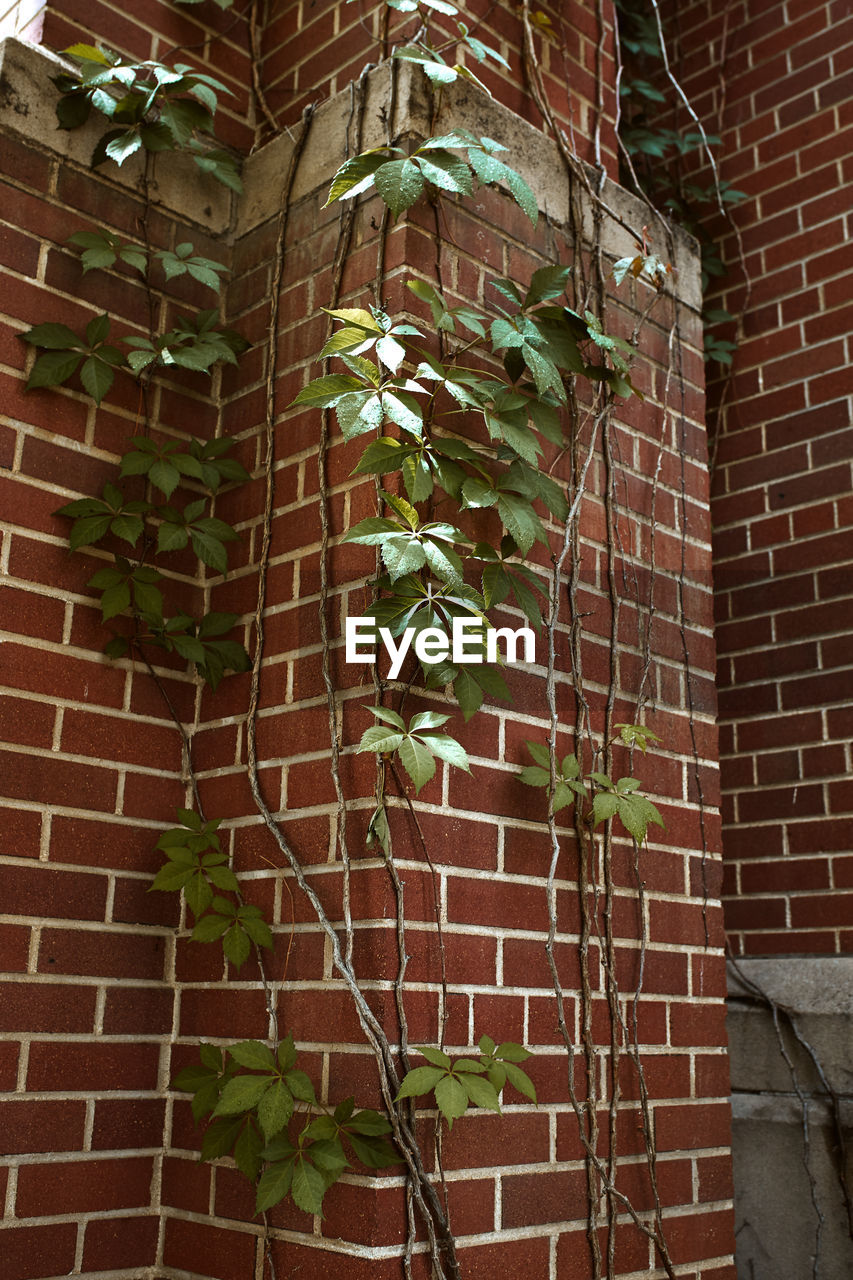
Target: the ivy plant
(417, 746)
(265, 1112)
(151, 108)
(460, 1082)
(598, 797)
(197, 867)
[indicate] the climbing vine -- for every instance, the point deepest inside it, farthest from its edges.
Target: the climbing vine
(533, 374)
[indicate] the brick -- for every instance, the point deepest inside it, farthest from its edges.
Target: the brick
(51, 780)
(38, 891)
(496, 903)
(137, 1011)
(520, 1257)
(479, 1140)
(694, 1236)
(57, 675)
(46, 1249)
(106, 737)
(696, 1126)
(101, 953)
(697, 1024)
(85, 1185)
(30, 613)
(31, 1125)
(74, 1067)
(543, 1197)
(193, 1246)
(128, 1124)
(118, 1243)
(121, 846)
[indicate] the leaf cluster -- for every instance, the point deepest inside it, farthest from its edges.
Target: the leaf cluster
(431, 57)
(195, 342)
(418, 746)
(103, 249)
(460, 1082)
(196, 866)
(600, 799)
(143, 525)
(264, 1110)
(434, 164)
(542, 345)
(151, 107)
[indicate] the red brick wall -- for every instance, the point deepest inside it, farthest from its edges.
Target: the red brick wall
(92, 765)
(107, 995)
(783, 509)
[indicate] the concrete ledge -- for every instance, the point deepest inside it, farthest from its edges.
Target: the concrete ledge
(463, 106)
(27, 111)
(775, 1189)
(819, 992)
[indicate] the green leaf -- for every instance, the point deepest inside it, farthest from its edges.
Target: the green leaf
(378, 738)
(274, 1185)
(164, 475)
(210, 1054)
(236, 945)
(520, 1080)
(257, 930)
(286, 1053)
(275, 1109)
(253, 1054)
(359, 412)
(420, 1080)
(447, 171)
(73, 110)
(124, 146)
(605, 805)
(468, 693)
(328, 1155)
(198, 894)
(509, 1051)
(520, 520)
(55, 337)
(172, 876)
(355, 175)
(481, 1092)
(222, 877)
(399, 182)
(300, 1086)
(447, 748)
(452, 1098)
(635, 814)
(247, 1152)
(97, 378)
(489, 169)
(375, 1153)
(242, 1093)
(87, 530)
(368, 1123)
(209, 928)
(322, 393)
(219, 1137)
(417, 760)
(436, 1057)
(387, 716)
(53, 368)
(308, 1186)
(115, 600)
(209, 550)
